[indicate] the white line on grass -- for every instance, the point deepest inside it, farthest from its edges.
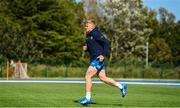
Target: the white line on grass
(172, 83)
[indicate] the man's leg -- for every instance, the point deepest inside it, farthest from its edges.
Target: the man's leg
(109, 81)
(91, 71)
(112, 82)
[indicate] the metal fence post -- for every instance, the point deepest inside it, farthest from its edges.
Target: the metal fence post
(1, 70)
(46, 71)
(66, 71)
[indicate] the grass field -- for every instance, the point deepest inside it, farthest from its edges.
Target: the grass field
(64, 95)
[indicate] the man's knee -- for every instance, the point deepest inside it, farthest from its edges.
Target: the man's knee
(90, 73)
(87, 77)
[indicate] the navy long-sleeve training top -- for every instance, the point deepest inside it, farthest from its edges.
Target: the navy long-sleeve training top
(97, 44)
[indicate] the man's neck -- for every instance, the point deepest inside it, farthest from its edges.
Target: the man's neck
(92, 28)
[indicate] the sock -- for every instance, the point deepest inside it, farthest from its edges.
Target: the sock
(119, 85)
(88, 95)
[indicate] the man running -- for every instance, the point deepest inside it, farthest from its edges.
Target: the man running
(97, 46)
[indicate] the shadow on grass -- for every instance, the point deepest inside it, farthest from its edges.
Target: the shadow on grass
(101, 104)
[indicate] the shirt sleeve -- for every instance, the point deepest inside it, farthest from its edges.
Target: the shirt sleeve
(102, 41)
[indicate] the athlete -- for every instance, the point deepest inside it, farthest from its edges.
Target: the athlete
(97, 46)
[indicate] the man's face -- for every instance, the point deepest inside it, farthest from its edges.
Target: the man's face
(89, 26)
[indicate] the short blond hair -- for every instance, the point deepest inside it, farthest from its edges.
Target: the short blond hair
(92, 20)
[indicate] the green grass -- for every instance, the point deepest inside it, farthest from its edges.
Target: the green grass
(64, 95)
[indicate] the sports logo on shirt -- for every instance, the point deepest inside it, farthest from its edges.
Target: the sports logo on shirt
(91, 37)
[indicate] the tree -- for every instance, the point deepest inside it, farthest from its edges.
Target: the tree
(14, 44)
(165, 34)
(53, 26)
(160, 51)
(92, 9)
(175, 45)
(126, 25)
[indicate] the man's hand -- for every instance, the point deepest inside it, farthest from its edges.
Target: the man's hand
(85, 48)
(101, 58)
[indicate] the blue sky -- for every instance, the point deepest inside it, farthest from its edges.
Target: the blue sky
(172, 6)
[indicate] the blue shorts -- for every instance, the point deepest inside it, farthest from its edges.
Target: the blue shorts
(98, 65)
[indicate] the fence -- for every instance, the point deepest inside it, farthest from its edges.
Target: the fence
(117, 70)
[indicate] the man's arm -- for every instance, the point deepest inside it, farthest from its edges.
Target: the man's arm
(102, 41)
